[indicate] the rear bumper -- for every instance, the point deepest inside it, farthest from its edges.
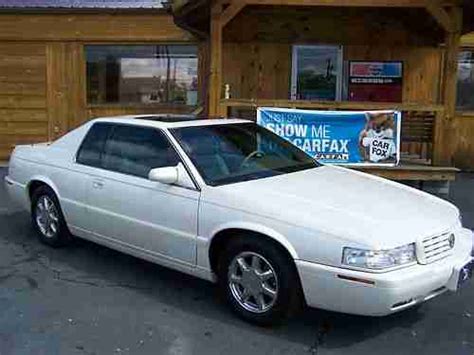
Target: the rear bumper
(390, 292)
(17, 193)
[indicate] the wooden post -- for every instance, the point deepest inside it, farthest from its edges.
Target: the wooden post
(445, 140)
(215, 81)
(219, 18)
(203, 77)
(436, 158)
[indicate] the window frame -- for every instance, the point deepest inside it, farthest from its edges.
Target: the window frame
(152, 105)
(294, 68)
(84, 139)
(161, 131)
(205, 179)
(143, 128)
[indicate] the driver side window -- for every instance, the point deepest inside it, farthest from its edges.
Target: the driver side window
(136, 150)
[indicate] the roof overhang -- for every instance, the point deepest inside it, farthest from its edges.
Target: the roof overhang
(194, 15)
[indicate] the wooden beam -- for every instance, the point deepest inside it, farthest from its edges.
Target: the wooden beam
(231, 11)
(453, 41)
(332, 105)
(444, 141)
(219, 18)
(450, 78)
(437, 151)
(353, 3)
(436, 10)
(91, 27)
(407, 171)
(215, 82)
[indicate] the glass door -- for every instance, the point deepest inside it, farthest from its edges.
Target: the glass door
(316, 73)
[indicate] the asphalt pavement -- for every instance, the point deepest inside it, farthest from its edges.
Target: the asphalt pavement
(87, 299)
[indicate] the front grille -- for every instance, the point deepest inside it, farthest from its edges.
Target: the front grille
(437, 247)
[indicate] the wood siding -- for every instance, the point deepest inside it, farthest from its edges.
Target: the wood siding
(23, 113)
(421, 68)
(42, 69)
(42, 65)
(66, 87)
(263, 70)
(257, 70)
(258, 44)
(464, 142)
(114, 27)
(334, 25)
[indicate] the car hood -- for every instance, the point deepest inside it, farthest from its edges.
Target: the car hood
(344, 203)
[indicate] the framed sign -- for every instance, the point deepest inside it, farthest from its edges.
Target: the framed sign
(375, 81)
(316, 72)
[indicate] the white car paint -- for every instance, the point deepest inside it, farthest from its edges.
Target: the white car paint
(313, 214)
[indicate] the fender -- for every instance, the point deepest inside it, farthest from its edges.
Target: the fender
(45, 180)
(258, 228)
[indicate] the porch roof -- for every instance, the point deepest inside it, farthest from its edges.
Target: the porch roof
(194, 15)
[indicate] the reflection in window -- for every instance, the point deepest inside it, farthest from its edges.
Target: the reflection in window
(465, 94)
(137, 150)
(317, 72)
(142, 74)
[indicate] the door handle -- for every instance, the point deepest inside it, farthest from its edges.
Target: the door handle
(97, 184)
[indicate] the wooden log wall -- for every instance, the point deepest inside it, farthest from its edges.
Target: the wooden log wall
(258, 45)
(23, 102)
(258, 50)
(263, 70)
(43, 74)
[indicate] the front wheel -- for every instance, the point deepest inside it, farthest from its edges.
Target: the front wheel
(259, 280)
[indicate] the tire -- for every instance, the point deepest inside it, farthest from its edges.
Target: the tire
(259, 281)
(49, 225)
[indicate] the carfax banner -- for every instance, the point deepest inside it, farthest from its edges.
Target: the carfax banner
(338, 137)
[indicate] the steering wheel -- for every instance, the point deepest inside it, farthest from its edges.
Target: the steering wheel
(254, 154)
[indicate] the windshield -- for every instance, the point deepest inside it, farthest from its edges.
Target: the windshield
(231, 153)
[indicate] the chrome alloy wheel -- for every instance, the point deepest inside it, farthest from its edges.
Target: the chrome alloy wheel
(253, 282)
(47, 218)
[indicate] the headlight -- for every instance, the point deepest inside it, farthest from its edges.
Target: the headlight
(379, 259)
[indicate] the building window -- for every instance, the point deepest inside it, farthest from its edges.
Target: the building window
(465, 92)
(149, 74)
(316, 73)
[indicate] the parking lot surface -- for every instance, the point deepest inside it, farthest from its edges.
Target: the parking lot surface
(87, 299)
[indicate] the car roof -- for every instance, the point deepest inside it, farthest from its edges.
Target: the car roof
(168, 121)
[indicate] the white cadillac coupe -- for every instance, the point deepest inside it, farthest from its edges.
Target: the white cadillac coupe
(231, 202)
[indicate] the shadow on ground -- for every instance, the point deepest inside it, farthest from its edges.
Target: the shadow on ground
(100, 269)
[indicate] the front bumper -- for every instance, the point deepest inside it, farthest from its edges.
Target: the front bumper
(391, 291)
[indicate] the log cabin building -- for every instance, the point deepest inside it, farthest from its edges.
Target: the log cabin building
(63, 62)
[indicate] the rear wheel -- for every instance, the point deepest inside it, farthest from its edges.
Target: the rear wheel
(47, 217)
(259, 281)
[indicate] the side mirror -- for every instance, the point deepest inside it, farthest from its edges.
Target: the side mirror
(168, 175)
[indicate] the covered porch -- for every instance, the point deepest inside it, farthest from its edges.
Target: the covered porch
(251, 60)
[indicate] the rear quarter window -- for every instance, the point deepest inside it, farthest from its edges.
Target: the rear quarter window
(92, 147)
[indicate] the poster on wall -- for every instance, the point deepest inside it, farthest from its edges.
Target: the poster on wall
(338, 137)
(375, 81)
